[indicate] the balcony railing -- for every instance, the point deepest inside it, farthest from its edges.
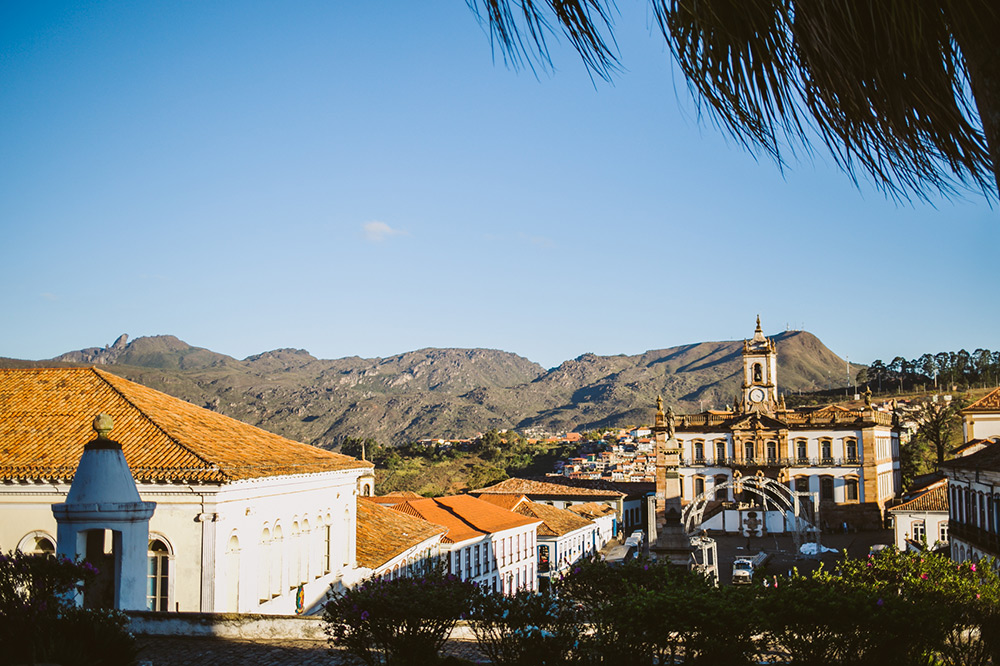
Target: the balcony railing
(771, 462)
(976, 536)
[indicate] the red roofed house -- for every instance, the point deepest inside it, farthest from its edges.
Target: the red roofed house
(981, 419)
(243, 518)
(393, 544)
(922, 522)
(485, 543)
(563, 537)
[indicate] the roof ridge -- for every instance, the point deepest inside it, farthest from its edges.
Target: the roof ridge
(464, 520)
(212, 466)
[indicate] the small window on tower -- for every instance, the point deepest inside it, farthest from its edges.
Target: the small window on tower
(758, 375)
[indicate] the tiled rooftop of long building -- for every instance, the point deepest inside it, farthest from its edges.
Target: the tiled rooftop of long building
(46, 416)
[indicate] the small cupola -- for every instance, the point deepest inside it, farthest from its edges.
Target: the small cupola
(104, 521)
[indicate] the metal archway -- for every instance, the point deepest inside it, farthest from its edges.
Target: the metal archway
(771, 492)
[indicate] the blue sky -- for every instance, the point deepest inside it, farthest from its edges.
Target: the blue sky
(367, 179)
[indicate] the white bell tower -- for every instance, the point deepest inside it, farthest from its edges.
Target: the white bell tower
(760, 373)
(103, 505)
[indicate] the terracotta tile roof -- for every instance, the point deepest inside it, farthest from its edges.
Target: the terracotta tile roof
(592, 510)
(972, 446)
(465, 516)
(935, 499)
(534, 487)
(555, 522)
(46, 415)
(988, 403)
(987, 458)
(383, 533)
(509, 502)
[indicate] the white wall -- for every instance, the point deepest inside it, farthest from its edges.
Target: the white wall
(197, 523)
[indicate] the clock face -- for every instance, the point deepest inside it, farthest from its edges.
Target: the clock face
(757, 395)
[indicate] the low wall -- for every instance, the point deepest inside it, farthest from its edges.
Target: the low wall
(228, 625)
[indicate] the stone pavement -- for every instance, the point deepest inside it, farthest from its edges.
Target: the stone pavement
(188, 651)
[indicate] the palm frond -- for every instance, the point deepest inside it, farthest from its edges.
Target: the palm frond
(884, 85)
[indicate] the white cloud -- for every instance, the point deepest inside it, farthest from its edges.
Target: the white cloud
(376, 232)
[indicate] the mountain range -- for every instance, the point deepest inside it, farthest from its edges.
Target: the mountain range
(449, 392)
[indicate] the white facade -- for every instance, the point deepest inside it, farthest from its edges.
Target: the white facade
(930, 527)
(502, 561)
(566, 549)
(244, 546)
(829, 463)
(974, 504)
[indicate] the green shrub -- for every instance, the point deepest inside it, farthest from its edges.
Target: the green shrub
(39, 621)
(646, 612)
(398, 622)
(525, 628)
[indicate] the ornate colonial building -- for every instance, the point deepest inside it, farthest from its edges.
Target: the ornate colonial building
(848, 459)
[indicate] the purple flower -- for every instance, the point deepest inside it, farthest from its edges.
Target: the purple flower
(364, 615)
(879, 602)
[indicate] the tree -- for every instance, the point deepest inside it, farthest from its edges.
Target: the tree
(907, 92)
(367, 448)
(939, 424)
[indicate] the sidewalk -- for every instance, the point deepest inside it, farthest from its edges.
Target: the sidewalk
(187, 651)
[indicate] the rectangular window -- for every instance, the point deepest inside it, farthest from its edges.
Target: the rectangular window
(943, 532)
(851, 490)
(458, 563)
(479, 568)
(826, 488)
(918, 532)
(468, 561)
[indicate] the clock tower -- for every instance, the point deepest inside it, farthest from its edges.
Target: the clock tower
(760, 373)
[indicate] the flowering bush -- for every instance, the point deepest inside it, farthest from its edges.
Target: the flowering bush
(525, 628)
(398, 622)
(954, 608)
(38, 620)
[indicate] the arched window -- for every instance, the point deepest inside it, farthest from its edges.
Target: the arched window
(158, 576)
(802, 450)
(720, 451)
(699, 452)
(277, 560)
(232, 574)
(264, 570)
(326, 544)
(37, 543)
(699, 485)
(307, 551)
(772, 451)
(758, 374)
(294, 557)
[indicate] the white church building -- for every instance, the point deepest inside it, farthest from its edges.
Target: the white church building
(244, 520)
